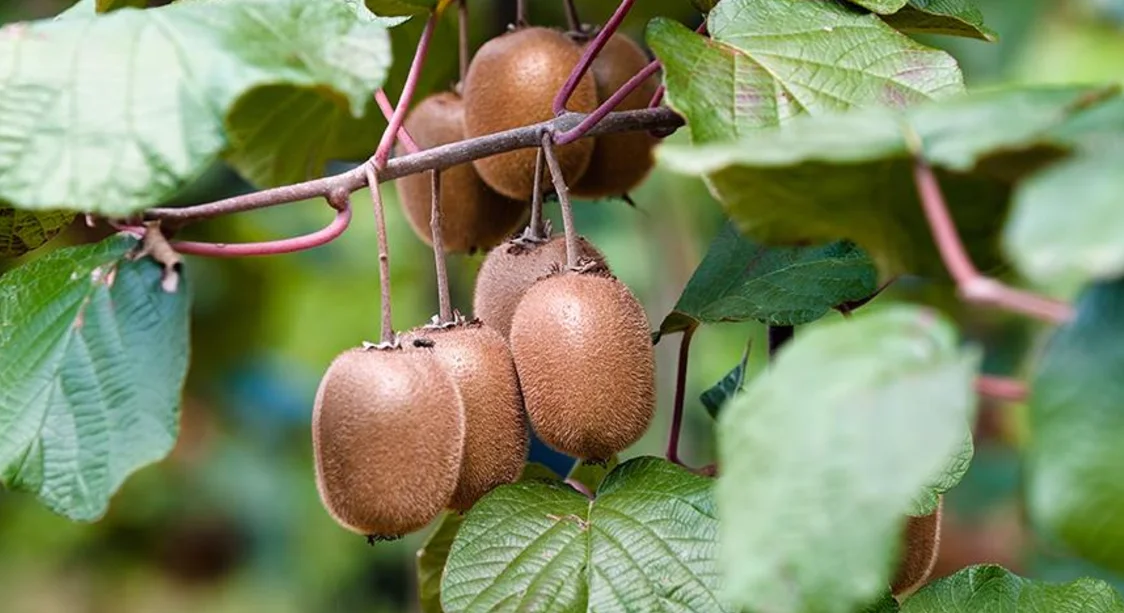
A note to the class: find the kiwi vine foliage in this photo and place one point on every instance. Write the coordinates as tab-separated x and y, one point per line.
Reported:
867	416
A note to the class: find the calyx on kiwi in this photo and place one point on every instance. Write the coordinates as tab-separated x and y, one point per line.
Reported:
602	402
621	161
474	216
921	541
388	433
497	437
511	83
513	267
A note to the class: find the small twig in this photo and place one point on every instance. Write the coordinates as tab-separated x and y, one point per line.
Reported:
680	396
657	98
388	111
779	336
563	193
1001	388
607	107
387	323
444	307
536	229
462	37
591	51
387	142
974	286
572	18
289	245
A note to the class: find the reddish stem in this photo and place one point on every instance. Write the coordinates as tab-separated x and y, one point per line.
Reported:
680	394
607	107
580	487
591	50
289	245
1001	388
657	98
563	193
388	111
975	287
383	151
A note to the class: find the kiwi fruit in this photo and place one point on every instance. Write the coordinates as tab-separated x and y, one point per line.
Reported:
388	431
510	269
921	541
496	433
621	161
585	360
473	215
511	83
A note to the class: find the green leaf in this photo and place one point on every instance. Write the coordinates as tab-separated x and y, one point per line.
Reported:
21	231
1074	454
849	176
997	590
95	355
105	6
882	7
395	8
730	386
431	560
592	474
886	604
824	453
88	131
740	280
949	477
950	17
647	543
769	60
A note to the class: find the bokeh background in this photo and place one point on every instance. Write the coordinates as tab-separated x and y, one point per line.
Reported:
230	522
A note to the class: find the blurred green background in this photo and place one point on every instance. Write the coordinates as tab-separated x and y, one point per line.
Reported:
231	521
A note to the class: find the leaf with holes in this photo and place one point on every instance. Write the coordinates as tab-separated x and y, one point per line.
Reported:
997	590
23	231
94	359
853	420
111	113
647	543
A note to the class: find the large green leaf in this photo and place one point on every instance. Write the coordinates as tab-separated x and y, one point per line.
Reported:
769	60
431	560
113	113
647	543
882	7
824	454
1074	456
22	231
94	358
849	176
740	280
949	477
991	589
951	17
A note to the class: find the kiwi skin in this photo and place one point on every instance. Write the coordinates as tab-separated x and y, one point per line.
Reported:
585	359
511	83
497	437
388	433
473	215
921	542
621	161
512	268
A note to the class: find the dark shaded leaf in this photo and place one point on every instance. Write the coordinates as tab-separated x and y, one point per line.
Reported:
997	590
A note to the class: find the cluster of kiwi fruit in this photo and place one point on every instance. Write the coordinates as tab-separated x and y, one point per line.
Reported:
442	414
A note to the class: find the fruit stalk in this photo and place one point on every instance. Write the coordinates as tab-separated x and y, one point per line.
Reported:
535	225
411	85
520	13
462	37
975	287
388	111
680	395
387	323
289	245
590	54
607	107
444	310
563	201
572	18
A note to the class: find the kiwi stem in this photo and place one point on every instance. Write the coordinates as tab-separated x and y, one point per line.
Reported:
1001	388
289	245
444	309
572	17
536	198
591	51
521	14
388	111
680	394
607	107
779	336
462	37
974	287
411	85
563	201
657	98
387	323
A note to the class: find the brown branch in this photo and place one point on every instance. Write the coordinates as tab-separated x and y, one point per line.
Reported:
437	158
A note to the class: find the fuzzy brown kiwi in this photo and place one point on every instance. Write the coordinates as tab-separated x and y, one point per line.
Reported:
497	437
921	541
584	354
511	83
512	268
621	161
388	434
473	215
